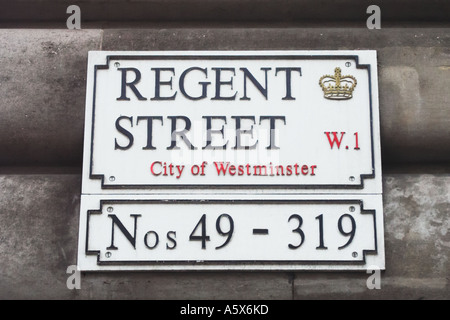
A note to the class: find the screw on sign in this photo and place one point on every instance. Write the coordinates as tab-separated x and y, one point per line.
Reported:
291	138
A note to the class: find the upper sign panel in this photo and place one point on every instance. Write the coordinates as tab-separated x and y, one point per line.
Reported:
291	121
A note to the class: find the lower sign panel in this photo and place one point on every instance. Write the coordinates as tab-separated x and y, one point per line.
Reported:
146	234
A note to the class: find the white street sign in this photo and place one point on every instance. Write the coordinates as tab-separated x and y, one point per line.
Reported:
237	160
277	234
297	121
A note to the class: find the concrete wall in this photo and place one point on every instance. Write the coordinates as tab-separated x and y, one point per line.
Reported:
42	94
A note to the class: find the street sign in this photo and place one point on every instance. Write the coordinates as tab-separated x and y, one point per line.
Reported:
237	160
303	234
228	121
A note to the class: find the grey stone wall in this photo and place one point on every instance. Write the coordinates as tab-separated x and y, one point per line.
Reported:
42	96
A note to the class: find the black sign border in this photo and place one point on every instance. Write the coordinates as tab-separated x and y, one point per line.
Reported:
257	263
355	58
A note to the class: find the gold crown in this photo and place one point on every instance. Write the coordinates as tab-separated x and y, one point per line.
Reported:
337	87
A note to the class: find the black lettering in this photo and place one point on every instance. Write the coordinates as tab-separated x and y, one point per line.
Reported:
125	232
146	240
272	129
172	240
180	133
149	145
203	84
240	131
131	85
159	83
210	131
288	80
125	132
258	86
220	83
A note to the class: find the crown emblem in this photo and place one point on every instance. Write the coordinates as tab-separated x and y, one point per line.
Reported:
337	87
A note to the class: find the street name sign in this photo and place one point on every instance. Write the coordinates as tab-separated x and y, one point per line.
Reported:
231	160
227	121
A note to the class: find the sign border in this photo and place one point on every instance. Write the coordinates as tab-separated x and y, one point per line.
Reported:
168	264
101	177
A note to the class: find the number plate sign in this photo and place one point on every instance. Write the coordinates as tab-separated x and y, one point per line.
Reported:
150	234
236	160
231	121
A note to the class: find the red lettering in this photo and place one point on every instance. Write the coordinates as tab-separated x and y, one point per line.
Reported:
335	139
196	171
151	168
305	170
356	141
289	170
222	169
204	163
